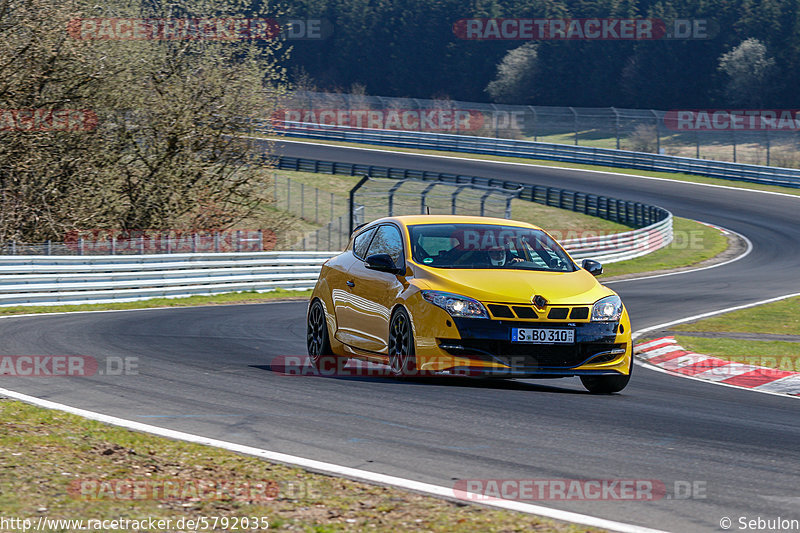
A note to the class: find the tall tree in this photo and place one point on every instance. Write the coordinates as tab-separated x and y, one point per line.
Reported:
749	70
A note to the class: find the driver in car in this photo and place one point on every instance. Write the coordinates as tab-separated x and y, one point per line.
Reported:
500	256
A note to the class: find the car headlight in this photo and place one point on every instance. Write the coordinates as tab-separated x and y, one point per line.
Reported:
608	309
456	305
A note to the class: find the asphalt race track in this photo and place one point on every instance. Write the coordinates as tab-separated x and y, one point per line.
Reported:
206	370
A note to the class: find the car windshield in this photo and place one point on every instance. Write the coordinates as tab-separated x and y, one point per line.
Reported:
487	246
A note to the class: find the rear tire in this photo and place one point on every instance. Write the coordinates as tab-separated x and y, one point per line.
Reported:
606	384
402	358
317	339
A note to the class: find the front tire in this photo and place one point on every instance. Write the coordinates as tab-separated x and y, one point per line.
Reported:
402	358
317	339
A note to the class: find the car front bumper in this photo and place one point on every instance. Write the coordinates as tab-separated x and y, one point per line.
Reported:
485	349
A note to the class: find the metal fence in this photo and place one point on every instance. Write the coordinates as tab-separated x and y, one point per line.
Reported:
785	177
635	214
377	198
640	130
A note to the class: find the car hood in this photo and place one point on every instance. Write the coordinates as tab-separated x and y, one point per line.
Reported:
516	286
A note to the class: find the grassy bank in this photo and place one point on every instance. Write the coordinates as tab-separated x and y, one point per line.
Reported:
60	466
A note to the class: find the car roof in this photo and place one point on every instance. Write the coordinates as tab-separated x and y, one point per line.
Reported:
411	220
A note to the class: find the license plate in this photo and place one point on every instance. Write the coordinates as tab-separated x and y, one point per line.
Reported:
543	336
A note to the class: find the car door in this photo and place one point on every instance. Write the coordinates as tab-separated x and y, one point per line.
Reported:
342	290
374	293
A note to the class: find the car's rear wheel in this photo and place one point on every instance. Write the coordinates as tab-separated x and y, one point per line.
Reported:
402	359
606	384
317	340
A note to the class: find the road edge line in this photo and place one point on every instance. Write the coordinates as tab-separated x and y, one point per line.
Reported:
334	469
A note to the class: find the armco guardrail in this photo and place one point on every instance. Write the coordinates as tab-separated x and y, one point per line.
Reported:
554	152
622	246
59	280
51	280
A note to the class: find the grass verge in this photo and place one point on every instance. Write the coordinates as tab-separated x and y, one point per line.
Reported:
693	243
541	162
777	318
188	301
770	354
60	466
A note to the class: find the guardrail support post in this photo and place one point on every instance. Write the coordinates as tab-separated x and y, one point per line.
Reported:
616	126
80	245
453	206
483	202
49	247
658	132
535	118
391	196
424	198
351	209
766	132
575	124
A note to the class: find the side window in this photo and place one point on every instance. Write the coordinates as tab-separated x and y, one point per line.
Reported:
388	241
361	242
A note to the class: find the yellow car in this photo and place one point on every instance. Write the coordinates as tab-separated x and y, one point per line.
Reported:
475	296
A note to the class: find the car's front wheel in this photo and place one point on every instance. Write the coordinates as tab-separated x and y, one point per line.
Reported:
606	384
317	340
402	359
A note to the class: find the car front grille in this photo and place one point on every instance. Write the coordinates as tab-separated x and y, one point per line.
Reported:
528	312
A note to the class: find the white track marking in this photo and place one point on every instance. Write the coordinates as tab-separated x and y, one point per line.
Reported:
639	176
334	469
642	331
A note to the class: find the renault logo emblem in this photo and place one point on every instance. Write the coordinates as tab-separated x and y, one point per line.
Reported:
539	301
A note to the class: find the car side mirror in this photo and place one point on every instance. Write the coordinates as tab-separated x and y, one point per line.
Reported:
592	267
382	263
